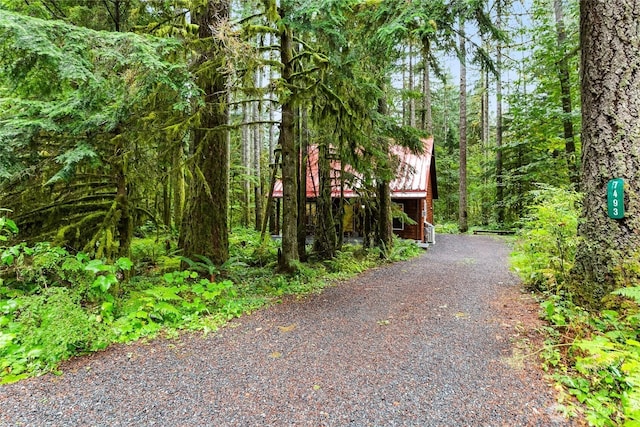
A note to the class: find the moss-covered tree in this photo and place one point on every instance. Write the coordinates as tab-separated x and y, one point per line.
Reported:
204	228
73	102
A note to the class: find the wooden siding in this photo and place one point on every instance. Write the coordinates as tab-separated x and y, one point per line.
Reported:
414	209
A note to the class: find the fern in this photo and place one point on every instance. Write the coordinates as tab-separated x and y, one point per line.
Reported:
162	293
71	159
631	293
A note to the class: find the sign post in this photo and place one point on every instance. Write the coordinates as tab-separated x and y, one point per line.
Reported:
615	198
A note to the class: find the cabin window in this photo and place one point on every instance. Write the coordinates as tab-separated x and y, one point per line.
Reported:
398	220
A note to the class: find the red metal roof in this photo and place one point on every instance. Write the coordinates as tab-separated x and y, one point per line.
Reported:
411	179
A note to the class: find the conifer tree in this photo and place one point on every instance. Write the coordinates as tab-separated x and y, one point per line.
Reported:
609	249
204	228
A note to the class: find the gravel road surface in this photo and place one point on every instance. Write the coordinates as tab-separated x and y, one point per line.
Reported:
429	342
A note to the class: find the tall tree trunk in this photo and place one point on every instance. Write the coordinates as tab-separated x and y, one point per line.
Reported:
384	228
565	93
609	249
166	201
125	220
462	204
289	153
499	161
303	157
324	243
405	83
204	228
485	138
412	99
445	119
270	207
271	212
178	182
246	166
427	118
257	153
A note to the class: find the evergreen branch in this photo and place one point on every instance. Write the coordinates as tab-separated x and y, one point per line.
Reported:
304	73
248	18
249	101
268	48
171	18
251	30
254	122
70	203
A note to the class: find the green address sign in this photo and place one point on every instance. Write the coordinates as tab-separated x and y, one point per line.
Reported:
615	198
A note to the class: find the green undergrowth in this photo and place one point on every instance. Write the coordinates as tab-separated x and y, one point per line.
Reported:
596	358
447	228
593	356
55	304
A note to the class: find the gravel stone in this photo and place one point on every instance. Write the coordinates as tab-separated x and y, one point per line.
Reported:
433	341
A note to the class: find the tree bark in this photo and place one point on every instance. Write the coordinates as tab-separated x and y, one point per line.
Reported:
565	94
303	157
427	117
246	166
257	154
289	153
609	249
124	218
166	202
405	103
412	100
270	207
204	227
257	173
270	211
462	203
499	161
384	225
178	182
485	139
325	243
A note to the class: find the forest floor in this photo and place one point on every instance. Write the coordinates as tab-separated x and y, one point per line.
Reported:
442	340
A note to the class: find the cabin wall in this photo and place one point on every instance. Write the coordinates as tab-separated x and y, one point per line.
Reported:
429	204
414	208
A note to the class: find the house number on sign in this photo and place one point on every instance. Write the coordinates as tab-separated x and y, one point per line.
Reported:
615	198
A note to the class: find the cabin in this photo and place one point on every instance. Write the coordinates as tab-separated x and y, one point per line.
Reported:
412	191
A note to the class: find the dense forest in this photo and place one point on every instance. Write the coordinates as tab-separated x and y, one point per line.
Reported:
124	113
139	137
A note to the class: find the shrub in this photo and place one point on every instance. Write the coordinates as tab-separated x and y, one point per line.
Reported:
545	250
38	331
597	358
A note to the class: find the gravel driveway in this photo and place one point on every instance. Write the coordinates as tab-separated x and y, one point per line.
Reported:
428	342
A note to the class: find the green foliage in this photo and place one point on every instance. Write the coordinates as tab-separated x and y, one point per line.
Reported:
632	293
534	149
7	227
447	228
205	265
546	246
32	269
349	261
404	249
38	331
77	108
597	358
180	300
99	78
54	304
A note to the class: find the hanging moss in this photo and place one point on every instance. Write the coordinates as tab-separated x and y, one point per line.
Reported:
71	124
